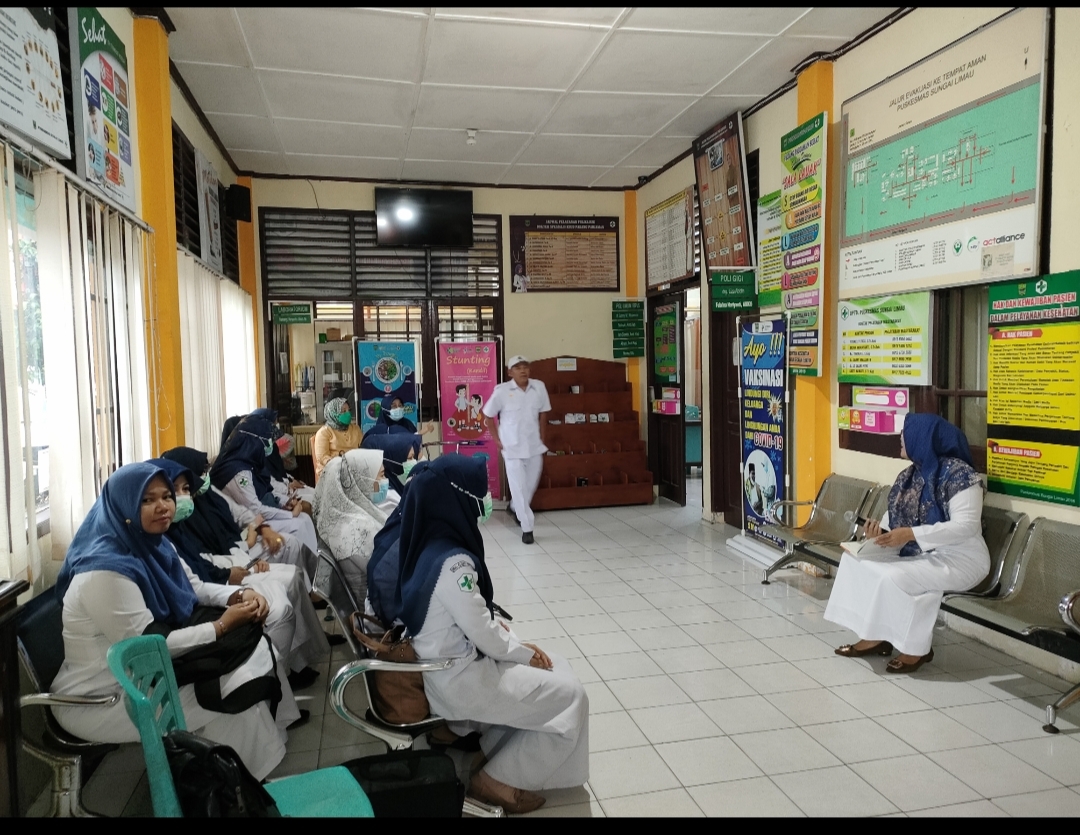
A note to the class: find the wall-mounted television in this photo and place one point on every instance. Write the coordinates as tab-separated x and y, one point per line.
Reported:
420	217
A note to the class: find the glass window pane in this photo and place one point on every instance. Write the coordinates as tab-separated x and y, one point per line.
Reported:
974	310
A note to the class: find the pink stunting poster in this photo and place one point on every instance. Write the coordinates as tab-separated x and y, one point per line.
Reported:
468	374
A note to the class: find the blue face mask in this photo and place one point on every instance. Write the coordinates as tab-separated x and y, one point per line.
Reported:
397	413
379	496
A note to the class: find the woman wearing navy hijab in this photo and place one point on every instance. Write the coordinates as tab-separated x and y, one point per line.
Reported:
530	708
929	542
120	576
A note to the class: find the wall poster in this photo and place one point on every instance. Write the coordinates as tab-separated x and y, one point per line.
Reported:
209	211
943	165
802	240
550	253
885	339
666	328
1033	389
387	368
31	90
770	271
468	374
763	381
726	216
101	112
669	239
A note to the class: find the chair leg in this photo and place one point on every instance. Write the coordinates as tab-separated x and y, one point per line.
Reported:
1051	710
66	792
475	809
787	559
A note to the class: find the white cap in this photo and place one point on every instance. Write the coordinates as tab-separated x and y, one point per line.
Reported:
517	359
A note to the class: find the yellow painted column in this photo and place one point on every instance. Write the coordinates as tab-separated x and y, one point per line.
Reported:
154	120
814	413
633	289
245	244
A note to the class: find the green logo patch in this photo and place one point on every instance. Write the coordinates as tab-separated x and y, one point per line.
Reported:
467	583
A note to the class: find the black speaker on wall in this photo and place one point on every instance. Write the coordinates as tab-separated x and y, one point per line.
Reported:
238	203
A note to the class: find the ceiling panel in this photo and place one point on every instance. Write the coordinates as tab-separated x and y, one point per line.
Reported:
658	62
452	171
252	133
706	113
331	98
260	162
507	55
659	151
592	16
615	113
303	136
485	108
771	68
623	176
553	175
368	168
220	89
336	41
760	20
209	35
430	144
574	149
840	23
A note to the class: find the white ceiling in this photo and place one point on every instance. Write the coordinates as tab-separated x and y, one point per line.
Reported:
575	97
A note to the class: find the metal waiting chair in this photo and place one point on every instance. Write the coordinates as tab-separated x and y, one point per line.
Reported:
40	638
144	669
1068	610
834	518
1005	532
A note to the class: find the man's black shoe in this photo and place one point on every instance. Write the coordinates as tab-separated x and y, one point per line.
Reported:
527	538
305	715
304	678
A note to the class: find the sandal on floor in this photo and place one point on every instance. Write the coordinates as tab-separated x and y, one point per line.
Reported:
513	801
849	651
898	666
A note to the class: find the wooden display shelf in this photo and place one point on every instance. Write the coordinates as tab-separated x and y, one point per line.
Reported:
610	459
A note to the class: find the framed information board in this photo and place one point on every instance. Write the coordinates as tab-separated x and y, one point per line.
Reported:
549	253
669	239
725	211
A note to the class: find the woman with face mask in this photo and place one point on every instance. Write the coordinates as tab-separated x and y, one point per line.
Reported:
336	437
347	512
392	419
122	578
529	706
240	473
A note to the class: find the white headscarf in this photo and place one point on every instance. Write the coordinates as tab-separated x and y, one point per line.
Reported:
345	516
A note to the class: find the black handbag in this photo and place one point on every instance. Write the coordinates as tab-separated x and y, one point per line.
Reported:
212	782
410	784
205	665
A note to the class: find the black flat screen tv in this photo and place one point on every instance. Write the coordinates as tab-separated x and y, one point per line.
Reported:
419	217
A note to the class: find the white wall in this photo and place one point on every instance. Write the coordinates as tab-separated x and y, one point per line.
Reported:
192	128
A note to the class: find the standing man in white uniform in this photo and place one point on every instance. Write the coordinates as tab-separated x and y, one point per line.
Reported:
521	406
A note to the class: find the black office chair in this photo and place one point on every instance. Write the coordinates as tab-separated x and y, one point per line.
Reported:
40	634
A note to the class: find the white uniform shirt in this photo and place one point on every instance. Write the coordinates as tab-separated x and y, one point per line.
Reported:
518	412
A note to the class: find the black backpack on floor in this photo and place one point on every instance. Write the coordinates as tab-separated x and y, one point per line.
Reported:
410	784
212	782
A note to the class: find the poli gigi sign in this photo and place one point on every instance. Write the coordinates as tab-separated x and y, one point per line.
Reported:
763	374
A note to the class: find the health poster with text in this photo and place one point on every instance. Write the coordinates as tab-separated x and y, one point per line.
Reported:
802	240
468	374
1033	389
386	368
764	380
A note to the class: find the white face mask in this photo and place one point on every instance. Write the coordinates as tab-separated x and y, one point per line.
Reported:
397	413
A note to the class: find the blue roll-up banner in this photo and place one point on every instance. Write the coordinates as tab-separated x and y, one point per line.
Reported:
763	394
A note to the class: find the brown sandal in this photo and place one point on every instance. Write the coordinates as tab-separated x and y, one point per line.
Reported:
880	648
898	666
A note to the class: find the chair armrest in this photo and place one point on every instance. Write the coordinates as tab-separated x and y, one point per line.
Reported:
780	504
59	700
1065	608
992	592
353	669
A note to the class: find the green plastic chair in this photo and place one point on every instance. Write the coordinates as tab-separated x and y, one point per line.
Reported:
144	669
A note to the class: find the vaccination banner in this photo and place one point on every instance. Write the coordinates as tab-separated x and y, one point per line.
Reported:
770	270
468	374
764	380
31	91
387	368
802	240
726	215
1033	389
885	339
101	113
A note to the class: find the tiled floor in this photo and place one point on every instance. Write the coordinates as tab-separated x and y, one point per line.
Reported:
711	694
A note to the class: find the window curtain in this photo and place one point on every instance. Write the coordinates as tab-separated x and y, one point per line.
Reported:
238	343
204	363
92	264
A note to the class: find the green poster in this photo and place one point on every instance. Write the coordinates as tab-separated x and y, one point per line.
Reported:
885	339
666	343
770	257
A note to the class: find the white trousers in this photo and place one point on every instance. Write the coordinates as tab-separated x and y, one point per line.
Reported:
523	474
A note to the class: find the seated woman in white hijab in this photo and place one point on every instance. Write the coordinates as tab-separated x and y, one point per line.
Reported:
240	473
530	708
890	594
346	514
122	578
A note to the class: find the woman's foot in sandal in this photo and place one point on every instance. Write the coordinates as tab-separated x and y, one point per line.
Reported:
908	663
858	650
487	789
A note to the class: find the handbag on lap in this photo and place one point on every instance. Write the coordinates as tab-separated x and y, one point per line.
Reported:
399	697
